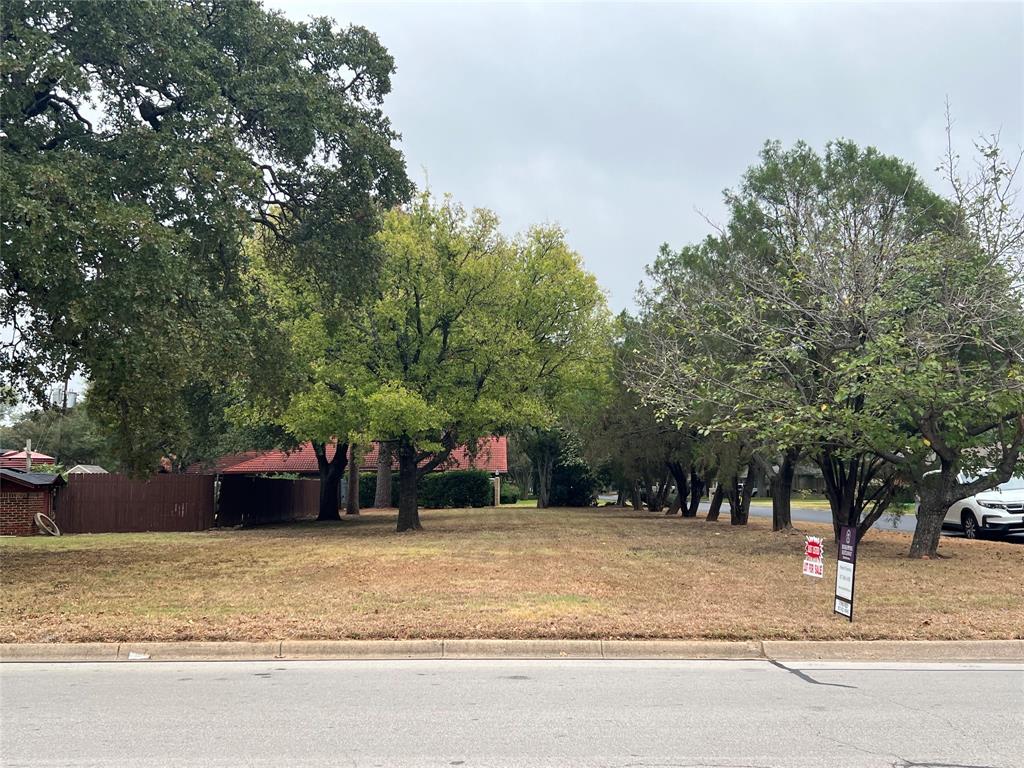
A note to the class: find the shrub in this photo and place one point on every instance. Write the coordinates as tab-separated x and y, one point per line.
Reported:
437	489
509	493
368	489
470	488
572	485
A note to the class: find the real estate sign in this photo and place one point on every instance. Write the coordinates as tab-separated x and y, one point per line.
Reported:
814	557
846	563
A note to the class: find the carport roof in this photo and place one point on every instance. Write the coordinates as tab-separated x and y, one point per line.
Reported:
29	480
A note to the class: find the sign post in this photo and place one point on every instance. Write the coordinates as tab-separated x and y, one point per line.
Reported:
814	557
846	564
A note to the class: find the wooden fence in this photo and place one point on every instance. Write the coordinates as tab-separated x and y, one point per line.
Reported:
119	504
259	500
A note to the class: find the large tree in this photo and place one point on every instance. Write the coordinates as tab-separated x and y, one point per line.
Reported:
946	372
469	333
141	141
791	291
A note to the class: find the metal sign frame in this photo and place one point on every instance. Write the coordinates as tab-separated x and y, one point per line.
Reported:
846	566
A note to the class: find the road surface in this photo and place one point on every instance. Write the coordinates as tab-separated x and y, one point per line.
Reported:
621	714
904	523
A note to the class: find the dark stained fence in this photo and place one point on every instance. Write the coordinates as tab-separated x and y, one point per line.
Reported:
119	504
260	500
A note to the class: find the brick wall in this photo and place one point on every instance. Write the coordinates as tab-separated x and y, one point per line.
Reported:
18	510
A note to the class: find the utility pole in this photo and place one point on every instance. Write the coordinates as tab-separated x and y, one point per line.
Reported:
28	455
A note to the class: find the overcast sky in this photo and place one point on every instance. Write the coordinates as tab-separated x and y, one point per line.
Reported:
622	122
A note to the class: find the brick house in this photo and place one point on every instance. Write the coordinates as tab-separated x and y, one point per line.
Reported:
22	496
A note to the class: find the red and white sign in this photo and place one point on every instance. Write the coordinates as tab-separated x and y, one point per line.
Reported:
814	557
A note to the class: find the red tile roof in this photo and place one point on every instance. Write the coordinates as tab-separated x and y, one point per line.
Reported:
16	459
491	456
222	463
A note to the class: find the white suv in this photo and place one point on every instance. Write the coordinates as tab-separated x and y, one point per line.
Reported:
999	510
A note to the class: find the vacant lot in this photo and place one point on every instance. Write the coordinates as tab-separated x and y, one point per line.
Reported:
496	573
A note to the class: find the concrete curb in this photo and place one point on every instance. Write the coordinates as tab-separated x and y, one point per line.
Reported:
522	649
284	650
895	650
361	649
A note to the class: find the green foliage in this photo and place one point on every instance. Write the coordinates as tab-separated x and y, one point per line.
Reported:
368	488
470	488
748	334
463	488
573	484
472	332
510	493
630	440
141	141
71	437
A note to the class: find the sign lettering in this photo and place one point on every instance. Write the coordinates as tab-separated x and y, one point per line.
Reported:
814	557
846	567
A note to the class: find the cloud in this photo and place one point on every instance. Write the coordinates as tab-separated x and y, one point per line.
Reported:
618	121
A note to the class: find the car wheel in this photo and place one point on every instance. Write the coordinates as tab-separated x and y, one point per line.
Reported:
970	524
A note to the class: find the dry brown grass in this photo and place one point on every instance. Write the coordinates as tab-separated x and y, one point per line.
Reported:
496	573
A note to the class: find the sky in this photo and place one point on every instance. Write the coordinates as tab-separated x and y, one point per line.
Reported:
623	123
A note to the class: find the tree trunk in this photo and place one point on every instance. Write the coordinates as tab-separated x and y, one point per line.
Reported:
857	491
716	503
929	528
382	495
545	468
675	506
408	485
661	496
352	500
782	493
936	498
740	515
330	478
638	503
739	502
681	490
840	477
697	489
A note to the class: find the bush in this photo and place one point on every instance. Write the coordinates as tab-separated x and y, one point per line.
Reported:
572	485
470	488
437	489
368	489
509	493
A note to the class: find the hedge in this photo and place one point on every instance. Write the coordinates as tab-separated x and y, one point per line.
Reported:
509	493
368	489
470	488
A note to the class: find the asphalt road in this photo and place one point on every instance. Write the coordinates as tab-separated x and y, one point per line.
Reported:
904	523
512	713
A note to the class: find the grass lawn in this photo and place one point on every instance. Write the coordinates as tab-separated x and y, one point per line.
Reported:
526	503
504	572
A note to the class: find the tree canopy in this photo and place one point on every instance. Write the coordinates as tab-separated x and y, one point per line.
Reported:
141	142
849	312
